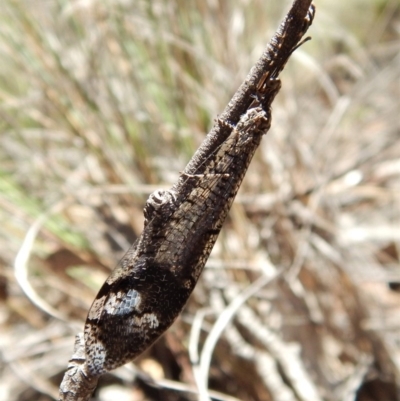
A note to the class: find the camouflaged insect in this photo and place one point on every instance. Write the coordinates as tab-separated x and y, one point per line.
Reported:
146	293
149	288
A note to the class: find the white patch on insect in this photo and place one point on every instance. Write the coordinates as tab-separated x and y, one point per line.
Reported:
98	356
158	200
160	197
149	319
122	303
97	308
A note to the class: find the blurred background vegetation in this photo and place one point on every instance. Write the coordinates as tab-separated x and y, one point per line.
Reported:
101	102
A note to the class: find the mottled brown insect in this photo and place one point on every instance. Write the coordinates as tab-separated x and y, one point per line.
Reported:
147	291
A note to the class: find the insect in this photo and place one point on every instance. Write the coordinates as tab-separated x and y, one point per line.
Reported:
146	292
152	284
